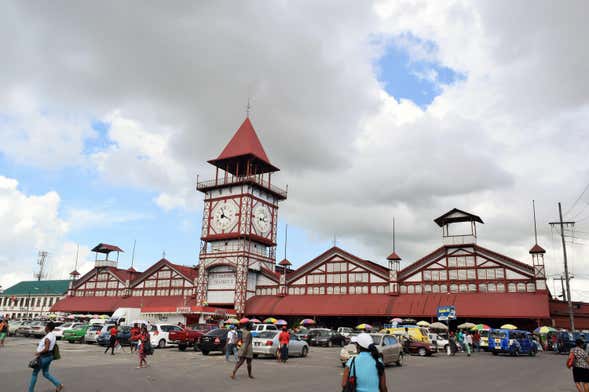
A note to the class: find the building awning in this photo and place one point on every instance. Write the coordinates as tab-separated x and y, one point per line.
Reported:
468	305
161	305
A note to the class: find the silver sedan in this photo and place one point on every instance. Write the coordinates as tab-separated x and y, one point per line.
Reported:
266	344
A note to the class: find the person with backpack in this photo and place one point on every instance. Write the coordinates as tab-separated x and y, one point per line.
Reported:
44	354
364	372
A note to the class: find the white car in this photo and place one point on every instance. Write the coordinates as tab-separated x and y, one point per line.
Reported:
266	343
58	331
13	326
158	334
345	331
92	333
259	328
438	342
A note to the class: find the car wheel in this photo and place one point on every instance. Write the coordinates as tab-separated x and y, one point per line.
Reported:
256	356
83	340
161	343
342	343
495	353
182	347
205	352
532	353
70	341
400	360
195	346
305	352
422	352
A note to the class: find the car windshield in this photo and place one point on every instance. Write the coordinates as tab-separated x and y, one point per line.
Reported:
95	328
376	338
324	333
498	335
267	334
217	332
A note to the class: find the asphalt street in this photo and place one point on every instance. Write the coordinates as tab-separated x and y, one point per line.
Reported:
86	368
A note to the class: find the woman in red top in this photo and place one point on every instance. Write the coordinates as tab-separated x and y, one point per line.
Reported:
134	336
143	338
283	340
113	340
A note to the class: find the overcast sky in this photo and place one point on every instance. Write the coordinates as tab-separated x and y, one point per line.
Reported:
108	111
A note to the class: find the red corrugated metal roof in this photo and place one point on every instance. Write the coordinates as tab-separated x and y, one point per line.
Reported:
475	305
110	304
106	248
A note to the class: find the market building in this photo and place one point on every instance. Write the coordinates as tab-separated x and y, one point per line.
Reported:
237	271
30	299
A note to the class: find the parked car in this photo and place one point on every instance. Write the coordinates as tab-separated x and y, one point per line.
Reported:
438	342
214	340
38	330
513	342
326	337
391	351
259	328
159	334
303	333
103	337
58	331
415	332
565	341
186	337
25	328
345	331
266	344
92	333
76	335
13	326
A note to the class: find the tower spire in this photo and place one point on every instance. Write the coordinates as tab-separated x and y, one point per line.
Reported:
535	228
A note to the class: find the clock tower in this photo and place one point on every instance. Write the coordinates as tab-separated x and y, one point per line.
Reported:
239	222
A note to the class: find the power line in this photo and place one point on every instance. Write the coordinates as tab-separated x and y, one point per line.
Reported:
576	201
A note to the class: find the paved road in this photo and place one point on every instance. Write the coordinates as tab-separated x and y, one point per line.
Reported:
86	368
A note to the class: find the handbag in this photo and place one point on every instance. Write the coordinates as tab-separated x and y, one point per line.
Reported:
351	381
56	353
571	360
34	363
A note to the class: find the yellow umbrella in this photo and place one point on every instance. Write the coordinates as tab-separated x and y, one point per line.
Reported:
364	326
270	320
423	323
508	326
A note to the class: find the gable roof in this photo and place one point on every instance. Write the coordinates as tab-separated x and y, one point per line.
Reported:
335	251
38	287
244	143
188	273
456	215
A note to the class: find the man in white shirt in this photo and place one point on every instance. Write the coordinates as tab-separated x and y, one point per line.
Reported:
45	354
231	345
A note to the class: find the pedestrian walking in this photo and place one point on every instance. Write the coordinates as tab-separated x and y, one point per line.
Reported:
113	340
366	369
231	345
579	361
283	340
143	346
135	332
3	330
246	351
476	341
44	354
453	345
468	342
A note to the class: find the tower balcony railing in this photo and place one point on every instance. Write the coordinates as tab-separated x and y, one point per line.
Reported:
106	263
460	239
206	185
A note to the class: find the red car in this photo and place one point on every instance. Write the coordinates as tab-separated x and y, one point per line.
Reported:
418	348
186	337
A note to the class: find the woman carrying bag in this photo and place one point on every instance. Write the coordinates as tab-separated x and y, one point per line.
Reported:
365	372
578	360
44	357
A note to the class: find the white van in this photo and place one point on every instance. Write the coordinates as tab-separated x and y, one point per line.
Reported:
125	316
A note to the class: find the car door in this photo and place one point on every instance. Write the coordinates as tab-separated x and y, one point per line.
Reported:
388	349
295	347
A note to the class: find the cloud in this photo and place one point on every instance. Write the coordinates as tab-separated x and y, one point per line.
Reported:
31	223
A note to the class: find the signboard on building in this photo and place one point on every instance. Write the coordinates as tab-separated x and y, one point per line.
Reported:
446	313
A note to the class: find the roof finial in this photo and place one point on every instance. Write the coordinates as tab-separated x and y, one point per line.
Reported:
394	250
535	229
77	253
164	254
133	255
285	239
248	107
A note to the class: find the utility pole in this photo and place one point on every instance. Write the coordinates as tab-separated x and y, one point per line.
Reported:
564	294
566	267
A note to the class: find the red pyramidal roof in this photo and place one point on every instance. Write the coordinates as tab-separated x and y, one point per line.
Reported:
537	249
393	256
244	144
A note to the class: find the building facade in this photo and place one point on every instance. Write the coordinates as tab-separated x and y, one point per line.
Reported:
237	272
30	299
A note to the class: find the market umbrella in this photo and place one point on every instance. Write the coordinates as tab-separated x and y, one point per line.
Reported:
423	323
438	326
280	322
364	326
232	321
103	316
544	329
481	327
508	326
244	320
308	322
466	326
409	321
71	317
255	321
270	320
396	320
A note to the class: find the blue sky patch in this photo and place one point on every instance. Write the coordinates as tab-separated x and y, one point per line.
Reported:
417	80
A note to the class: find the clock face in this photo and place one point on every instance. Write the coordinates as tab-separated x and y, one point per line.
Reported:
262	219
224	216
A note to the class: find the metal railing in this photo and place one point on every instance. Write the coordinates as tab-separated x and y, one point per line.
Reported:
106	263
460	239
235	180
